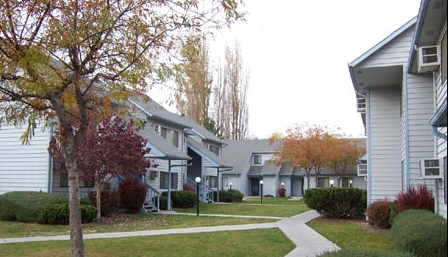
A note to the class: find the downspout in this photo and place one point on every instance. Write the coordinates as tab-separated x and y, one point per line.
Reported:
406	128
368	146
168	202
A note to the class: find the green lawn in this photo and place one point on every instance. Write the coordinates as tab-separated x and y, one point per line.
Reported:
259	242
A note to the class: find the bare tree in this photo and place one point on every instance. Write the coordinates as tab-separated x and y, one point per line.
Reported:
231	110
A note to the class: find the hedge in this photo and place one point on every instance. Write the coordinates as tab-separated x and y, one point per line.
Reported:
420	232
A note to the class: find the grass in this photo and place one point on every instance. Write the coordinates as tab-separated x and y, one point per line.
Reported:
346	234
354	234
272	207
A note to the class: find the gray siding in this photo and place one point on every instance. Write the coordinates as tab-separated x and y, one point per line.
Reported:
395	52
420	109
23	167
385	147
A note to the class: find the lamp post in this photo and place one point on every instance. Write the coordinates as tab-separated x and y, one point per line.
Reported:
351	183
230	185
331	183
283	185
198	180
261	190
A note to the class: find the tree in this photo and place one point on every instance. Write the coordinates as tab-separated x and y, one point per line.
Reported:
230	91
341	153
108	149
194	81
61	58
305	147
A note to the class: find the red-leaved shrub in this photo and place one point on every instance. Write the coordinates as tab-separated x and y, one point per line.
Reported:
417	199
188	187
132	194
379	213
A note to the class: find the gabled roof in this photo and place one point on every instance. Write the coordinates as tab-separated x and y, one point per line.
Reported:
160	148
238	153
383	42
156	111
213	159
270	168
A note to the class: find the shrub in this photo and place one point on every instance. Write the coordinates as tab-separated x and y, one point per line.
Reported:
418	199
281	192
379	213
365	253
109	201
420	232
25	206
164	201
59	214
337	202
231	195
132	194
183	199
188	187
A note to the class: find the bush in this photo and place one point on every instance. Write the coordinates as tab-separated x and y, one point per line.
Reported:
365	253
227	196
26	206
132	194
183	199
379	213
337	202
60	214
188	187
281	192
418	199
420	232
109	201
164	201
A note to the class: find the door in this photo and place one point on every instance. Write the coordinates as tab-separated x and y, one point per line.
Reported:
254	188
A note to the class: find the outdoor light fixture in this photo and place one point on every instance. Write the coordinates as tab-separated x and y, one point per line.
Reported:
261	190
331	183
230	184
198	181
351	183
283	185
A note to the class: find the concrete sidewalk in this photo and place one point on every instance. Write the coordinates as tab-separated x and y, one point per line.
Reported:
308	242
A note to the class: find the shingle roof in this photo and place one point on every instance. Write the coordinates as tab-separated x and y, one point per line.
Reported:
213	159
156	111
237	153
160	148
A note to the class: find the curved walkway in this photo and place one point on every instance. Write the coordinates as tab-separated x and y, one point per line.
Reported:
308	242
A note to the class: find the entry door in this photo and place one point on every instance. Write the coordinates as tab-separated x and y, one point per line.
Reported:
255	184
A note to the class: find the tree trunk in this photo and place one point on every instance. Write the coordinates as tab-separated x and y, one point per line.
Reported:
76	238
98	198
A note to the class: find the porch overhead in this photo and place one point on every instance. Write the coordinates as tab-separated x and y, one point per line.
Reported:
160	148
214	160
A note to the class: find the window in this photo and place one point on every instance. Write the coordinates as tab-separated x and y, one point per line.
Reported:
225	181
170	135
212	182
214	149
323	182
257	159
63	181
347	182
164	180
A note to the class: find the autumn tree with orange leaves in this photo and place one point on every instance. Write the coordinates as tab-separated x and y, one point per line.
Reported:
342	153
60	59
313	148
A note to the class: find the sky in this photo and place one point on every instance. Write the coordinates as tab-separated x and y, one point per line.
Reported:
297	54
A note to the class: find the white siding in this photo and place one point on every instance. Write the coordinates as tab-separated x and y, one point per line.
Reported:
386	179
23	167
